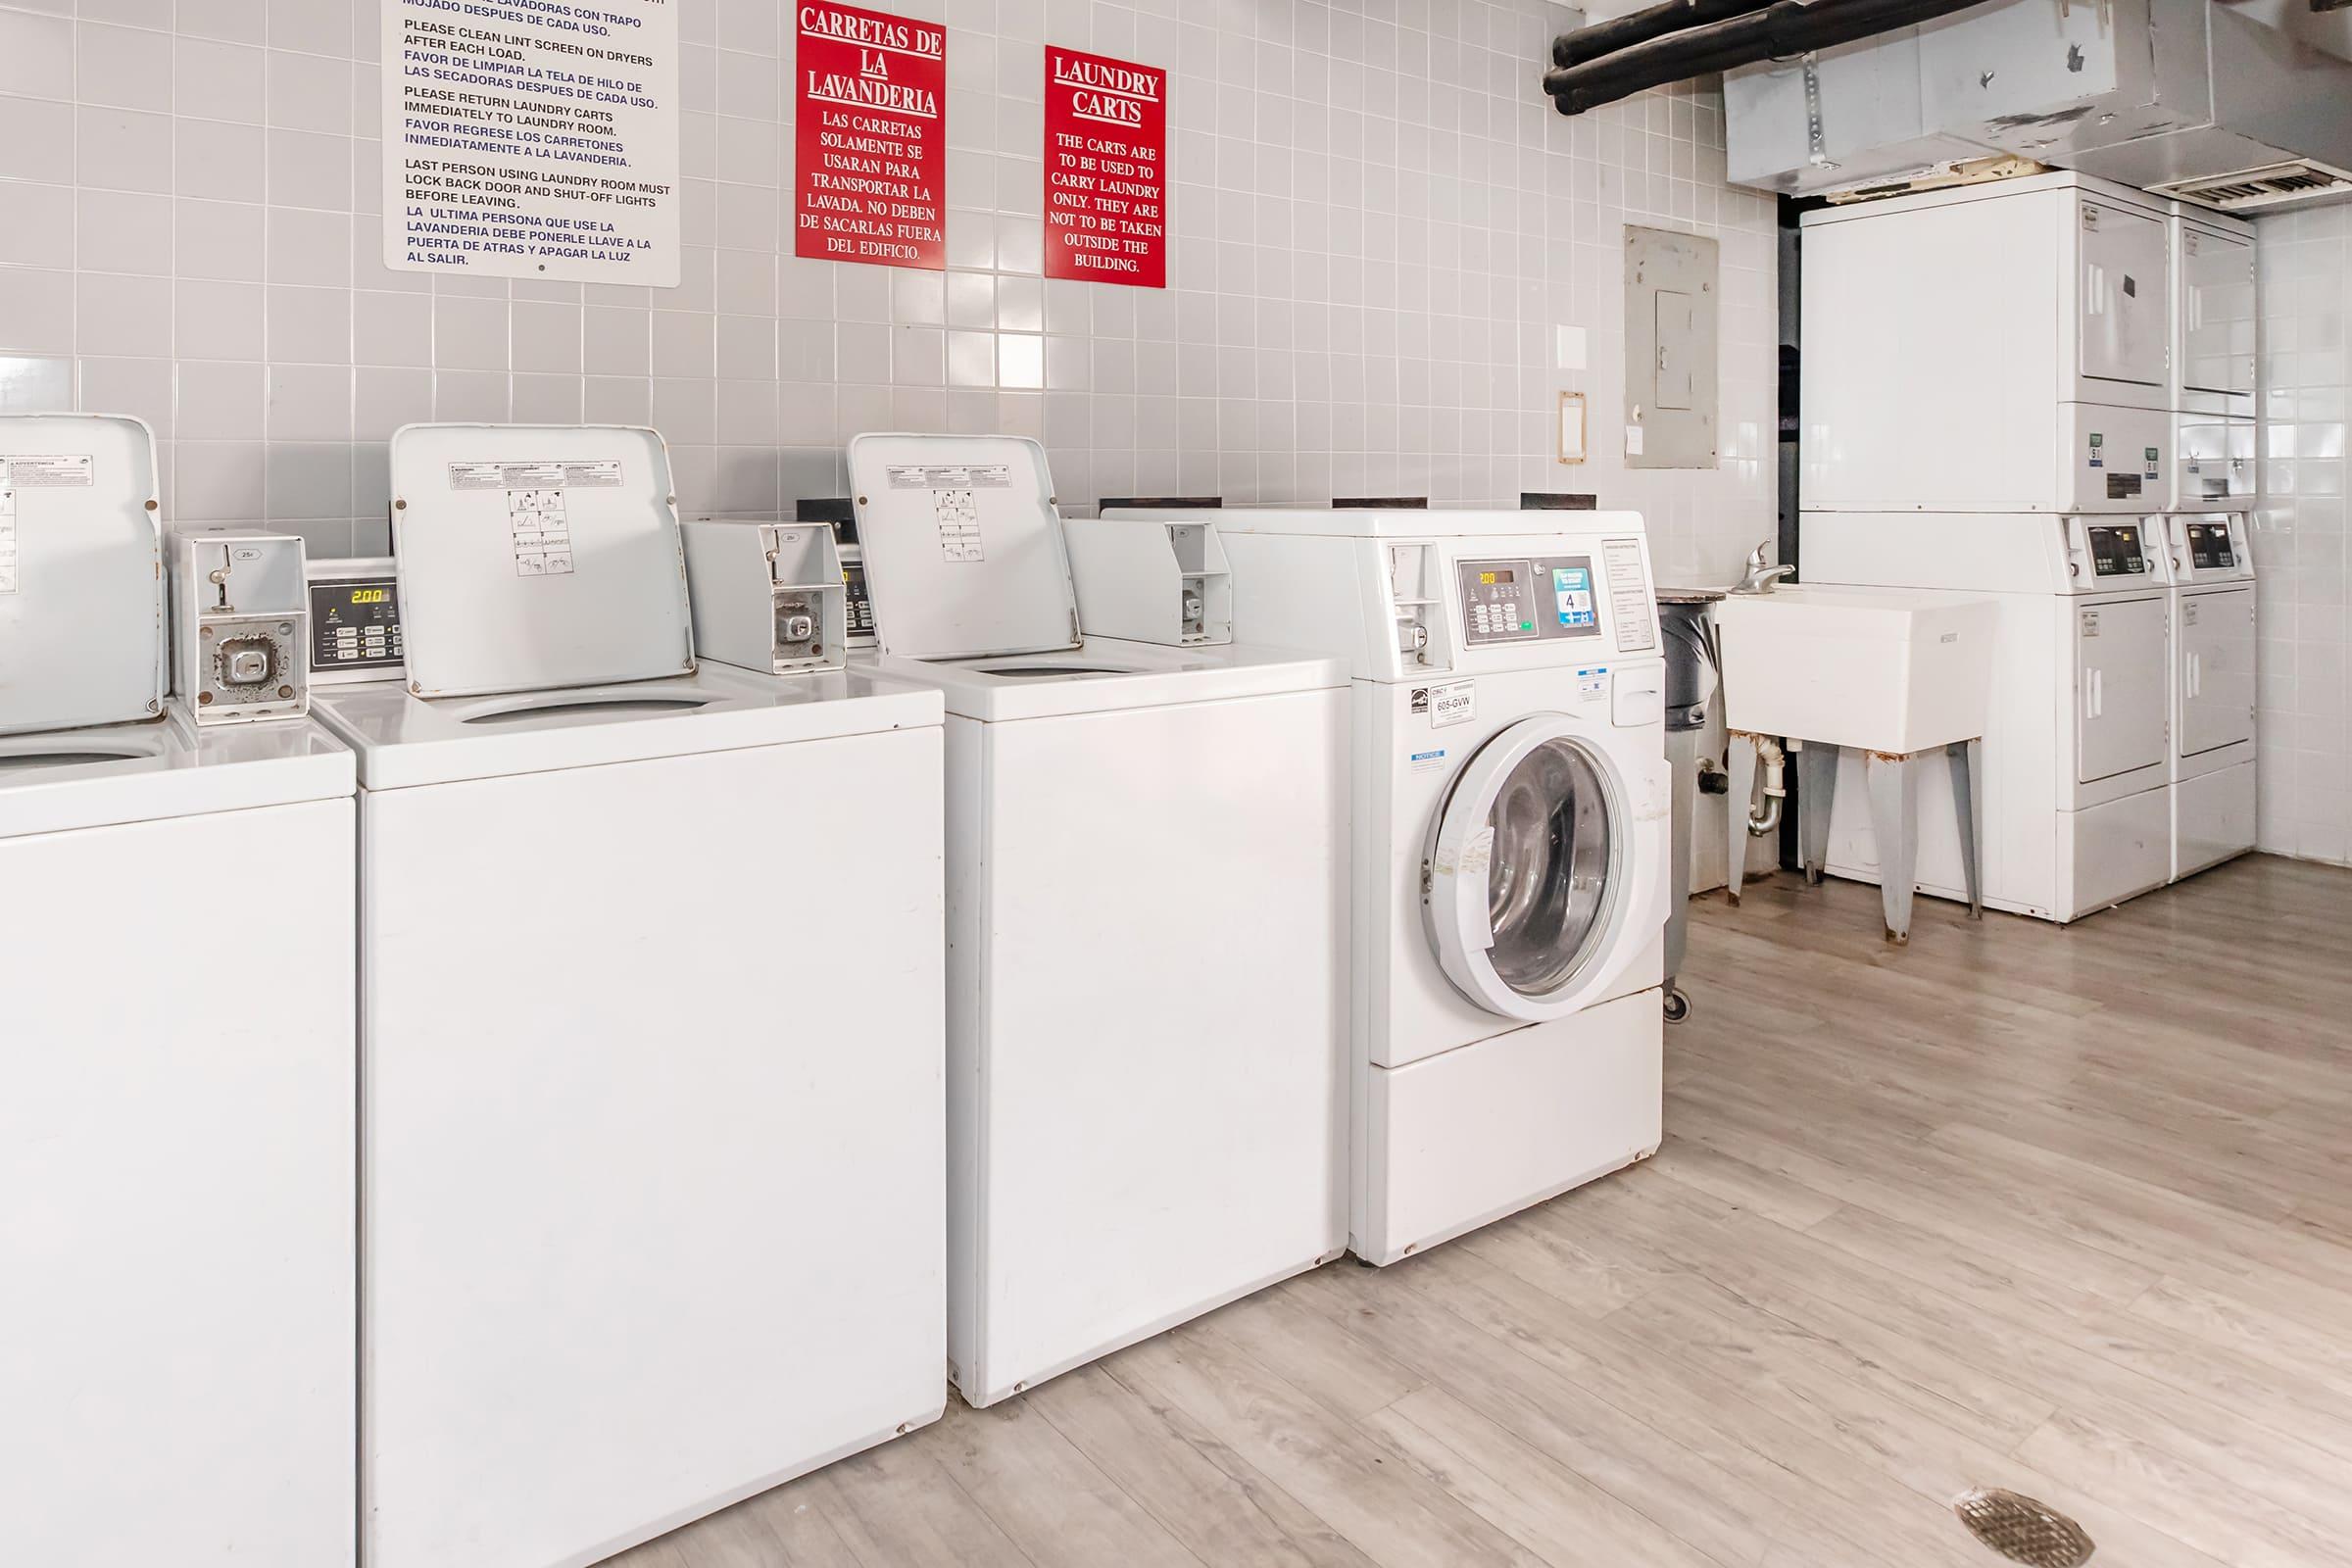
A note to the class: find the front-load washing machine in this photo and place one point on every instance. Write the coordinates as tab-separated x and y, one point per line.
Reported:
2078	805
651	1014
1511	841
2213	690
177	1231
1146	929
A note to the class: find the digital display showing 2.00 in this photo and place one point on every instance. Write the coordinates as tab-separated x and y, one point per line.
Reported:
356	625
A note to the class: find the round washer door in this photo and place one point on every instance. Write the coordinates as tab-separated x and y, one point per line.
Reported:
1542	877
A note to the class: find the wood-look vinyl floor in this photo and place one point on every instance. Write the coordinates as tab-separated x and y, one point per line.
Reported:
2068	1212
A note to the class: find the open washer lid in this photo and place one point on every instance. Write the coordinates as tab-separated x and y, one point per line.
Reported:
964	549
81	573
537	557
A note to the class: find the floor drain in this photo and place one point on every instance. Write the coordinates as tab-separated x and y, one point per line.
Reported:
2022	1530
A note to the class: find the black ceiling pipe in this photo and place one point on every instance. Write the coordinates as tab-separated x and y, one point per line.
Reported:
1640	27
1782	28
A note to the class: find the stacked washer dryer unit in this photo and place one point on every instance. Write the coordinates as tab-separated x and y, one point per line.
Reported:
1986	409
651	1028
1512	844
2206	539
1146	929
176	1077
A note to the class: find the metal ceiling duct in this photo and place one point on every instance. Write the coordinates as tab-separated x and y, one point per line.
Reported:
2205	101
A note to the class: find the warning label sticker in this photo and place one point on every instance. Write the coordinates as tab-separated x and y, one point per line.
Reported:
8	534
44	472
542	532
534	476
950	476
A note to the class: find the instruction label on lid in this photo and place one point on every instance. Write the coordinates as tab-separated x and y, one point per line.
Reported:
540	527
46	473
958	515
534	476
950	476
1629	595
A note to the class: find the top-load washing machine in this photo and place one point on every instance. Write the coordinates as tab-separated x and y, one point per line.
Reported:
1511	847
2078	793
1146	929
176	1233
650	1020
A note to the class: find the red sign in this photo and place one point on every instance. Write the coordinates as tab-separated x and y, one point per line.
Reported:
1106	159
872	90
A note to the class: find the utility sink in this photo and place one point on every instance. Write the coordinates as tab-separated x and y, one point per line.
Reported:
1882	669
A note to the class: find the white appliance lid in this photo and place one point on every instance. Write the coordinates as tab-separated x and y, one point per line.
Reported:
82	580
964	549
537	557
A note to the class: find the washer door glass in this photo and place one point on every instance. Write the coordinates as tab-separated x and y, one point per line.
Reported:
1547	878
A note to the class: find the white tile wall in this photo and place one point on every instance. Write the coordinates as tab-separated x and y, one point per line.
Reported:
2306	761
1389	255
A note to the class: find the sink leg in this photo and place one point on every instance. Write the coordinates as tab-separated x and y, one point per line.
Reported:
1739	762
1967	760
1894	819
1816	794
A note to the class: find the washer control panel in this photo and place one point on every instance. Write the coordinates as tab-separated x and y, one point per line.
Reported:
354	627
2211	548
1519	601
2116	550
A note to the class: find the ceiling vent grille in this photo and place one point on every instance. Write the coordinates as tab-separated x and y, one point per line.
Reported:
2271	185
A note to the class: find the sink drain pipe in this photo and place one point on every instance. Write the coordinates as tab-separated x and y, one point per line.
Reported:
1766	819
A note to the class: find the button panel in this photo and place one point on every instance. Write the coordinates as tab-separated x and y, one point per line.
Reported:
1521	601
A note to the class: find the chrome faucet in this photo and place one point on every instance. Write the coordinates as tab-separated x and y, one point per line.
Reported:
1762	578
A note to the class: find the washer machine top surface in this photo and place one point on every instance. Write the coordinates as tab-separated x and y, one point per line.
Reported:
402	740
1102	673
1391	522
117	773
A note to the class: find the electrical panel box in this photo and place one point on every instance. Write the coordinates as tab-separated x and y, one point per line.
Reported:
240	626
1151	581
768	595
355	620
1673	303
81	579
1991	348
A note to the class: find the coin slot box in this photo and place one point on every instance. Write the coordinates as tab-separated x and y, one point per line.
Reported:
768	595
1152	581
240	619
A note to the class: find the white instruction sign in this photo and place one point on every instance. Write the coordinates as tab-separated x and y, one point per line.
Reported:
542	532
532	138
959	514
1628	596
